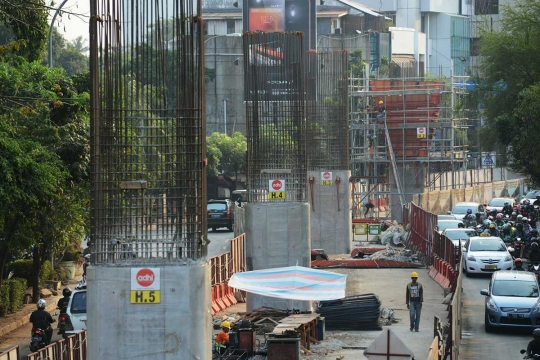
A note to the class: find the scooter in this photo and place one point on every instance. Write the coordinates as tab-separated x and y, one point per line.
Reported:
535	356
39	339
515	248
535	268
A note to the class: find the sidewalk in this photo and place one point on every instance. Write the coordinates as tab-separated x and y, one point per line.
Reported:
16	320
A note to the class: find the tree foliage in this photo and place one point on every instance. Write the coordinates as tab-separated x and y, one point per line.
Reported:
226	155
508	80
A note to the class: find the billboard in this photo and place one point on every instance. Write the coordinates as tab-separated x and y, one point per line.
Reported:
282	15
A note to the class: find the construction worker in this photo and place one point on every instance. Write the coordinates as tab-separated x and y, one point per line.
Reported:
414	299
222	340
381	109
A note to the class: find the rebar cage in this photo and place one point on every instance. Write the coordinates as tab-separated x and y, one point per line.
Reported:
148	200
275	116
327	110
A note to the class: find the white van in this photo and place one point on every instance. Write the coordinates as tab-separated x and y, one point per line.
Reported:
76	311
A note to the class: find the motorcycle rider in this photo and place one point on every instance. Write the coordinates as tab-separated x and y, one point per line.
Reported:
527	228
41	319
469	219
518	265
493	230
534	345
534	254
506	234
499	221
63	302
507	208
537	201
513	216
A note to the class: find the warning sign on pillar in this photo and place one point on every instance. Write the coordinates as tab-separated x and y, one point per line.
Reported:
276	189
145	286
421	133
326	178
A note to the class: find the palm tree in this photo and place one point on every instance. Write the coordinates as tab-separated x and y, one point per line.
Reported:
79	44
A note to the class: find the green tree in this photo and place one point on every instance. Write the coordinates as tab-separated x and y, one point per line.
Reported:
230	154
509	75
68	56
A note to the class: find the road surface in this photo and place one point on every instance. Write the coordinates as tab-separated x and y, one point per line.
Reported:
21	337
476	343
220	242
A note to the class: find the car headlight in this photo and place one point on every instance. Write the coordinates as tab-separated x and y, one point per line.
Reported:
508	258
536	309
491	305
471	258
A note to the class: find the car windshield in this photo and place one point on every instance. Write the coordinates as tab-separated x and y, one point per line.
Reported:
446	224
498	202
517	288
460	234
487	245
217	206
78	303
462	209
532	194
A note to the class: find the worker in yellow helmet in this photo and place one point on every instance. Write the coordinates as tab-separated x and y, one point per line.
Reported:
414	300
381	109
222	340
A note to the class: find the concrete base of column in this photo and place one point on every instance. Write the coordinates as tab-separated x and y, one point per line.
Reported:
179	327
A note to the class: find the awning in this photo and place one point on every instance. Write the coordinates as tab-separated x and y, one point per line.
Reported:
403	60
362	8
293	283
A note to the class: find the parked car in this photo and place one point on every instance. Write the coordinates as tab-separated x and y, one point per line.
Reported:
485	254
531	195
220	214
447	224
76	312
512	300
498	203
460	210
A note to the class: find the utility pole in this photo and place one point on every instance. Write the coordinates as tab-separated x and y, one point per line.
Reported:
50	31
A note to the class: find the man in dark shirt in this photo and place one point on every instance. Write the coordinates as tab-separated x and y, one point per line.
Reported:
41	319
534	345
414	298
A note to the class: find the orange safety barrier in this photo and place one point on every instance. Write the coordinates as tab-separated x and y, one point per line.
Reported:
73	347
222	268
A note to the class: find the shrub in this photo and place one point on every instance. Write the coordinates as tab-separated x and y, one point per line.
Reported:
46	272
22	269
4	298
17	289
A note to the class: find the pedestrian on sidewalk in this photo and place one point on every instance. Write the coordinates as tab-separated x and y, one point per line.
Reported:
414	300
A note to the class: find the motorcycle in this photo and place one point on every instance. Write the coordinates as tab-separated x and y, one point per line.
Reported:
534	356
39	339
515	248
535	268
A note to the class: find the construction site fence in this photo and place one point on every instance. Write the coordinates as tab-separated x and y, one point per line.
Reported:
455	318
421	223
13	353
222	268
71	348
441	201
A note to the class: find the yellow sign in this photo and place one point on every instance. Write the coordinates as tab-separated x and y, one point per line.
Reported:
276	195
327	182
145	296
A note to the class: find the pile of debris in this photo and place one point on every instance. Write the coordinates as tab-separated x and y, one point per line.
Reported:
397	254
395	234
263	319
359	312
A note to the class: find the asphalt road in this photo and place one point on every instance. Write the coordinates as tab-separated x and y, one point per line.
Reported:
476	343
21	337
220	241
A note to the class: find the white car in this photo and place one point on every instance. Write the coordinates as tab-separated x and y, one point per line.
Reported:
485	255
76	311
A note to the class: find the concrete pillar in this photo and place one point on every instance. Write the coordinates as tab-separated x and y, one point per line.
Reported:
177	328
408	14
330	213
278	235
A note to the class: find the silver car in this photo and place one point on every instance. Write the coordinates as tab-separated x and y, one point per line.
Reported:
512	300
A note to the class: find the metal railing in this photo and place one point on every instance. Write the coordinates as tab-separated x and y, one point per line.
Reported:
11	354
71	348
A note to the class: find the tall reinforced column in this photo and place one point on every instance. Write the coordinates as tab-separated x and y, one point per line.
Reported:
148	285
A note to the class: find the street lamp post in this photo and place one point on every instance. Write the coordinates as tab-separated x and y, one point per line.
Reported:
50	31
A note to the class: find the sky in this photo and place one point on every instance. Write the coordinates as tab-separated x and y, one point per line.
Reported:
74	26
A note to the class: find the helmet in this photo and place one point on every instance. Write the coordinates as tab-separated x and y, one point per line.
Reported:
514	213
506	203
414	274
534	231
537	197
534	246
536	332
381	102
518	260
226	325
499	216
520	217
66	292
492	226
87	257
469	211
524	219
527	201
506	227
41	304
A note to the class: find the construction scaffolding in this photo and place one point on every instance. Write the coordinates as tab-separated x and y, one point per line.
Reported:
402	135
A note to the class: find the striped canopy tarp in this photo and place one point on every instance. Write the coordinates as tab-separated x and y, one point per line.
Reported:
294	283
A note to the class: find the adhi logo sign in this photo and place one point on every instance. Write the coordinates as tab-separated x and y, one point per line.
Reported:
145	279
326	175
276	185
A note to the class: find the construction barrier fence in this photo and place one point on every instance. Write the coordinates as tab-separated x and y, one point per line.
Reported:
455	318
70	348
222	268
440	201
422	223
11	354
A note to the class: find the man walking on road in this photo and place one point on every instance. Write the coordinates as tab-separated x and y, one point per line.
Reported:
414	300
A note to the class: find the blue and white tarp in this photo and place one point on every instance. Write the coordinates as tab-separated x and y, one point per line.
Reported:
293	283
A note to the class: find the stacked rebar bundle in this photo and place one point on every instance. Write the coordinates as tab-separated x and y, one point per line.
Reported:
148	146
359	312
